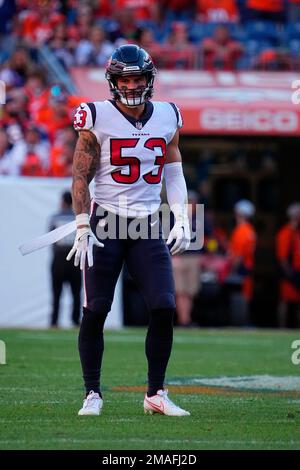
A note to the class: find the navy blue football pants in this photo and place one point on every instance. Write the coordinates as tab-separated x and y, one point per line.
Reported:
148	262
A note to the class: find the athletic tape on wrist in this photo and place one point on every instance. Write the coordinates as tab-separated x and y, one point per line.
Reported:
82	219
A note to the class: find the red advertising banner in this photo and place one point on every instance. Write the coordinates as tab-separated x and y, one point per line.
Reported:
246	103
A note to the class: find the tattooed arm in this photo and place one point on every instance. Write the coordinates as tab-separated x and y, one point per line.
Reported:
85	161
84	167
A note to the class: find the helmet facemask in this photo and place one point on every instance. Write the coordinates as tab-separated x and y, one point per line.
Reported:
132	97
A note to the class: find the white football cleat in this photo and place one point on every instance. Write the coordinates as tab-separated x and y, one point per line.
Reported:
92	405
160	403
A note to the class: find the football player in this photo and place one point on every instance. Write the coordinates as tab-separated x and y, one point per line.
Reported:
127	144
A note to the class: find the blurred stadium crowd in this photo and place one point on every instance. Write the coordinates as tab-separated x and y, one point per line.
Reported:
36	137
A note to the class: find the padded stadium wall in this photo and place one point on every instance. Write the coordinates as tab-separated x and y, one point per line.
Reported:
25	283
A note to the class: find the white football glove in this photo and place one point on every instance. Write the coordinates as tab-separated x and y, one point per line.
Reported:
182	236
84	242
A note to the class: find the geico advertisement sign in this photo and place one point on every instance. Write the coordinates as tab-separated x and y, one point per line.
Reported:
249	120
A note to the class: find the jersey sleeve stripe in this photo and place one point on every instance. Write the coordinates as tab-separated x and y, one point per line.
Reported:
178	115
175	111
93	111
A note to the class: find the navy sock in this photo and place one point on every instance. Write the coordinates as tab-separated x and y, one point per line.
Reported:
158	347
91	347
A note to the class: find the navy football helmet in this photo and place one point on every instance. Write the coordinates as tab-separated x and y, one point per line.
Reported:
130	59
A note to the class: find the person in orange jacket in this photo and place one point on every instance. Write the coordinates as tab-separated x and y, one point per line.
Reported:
241	251
288	256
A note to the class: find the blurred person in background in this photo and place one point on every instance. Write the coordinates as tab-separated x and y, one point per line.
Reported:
221	52
288	257
37	92
36	24
140	10
7	40
241	252
293	11
62	160
37	144
55	114
11	156
67	134
63	272
95	50
81	26
213	270
179	52
273	59
7	11
15	115
215	238
145	39
32	166
124	27
61	47
16	70
186	271
103	8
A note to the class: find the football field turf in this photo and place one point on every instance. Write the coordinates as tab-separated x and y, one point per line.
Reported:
241	388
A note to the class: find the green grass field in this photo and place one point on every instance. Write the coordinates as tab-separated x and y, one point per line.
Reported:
41	391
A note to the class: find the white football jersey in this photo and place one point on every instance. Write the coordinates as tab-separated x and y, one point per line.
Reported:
129	175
